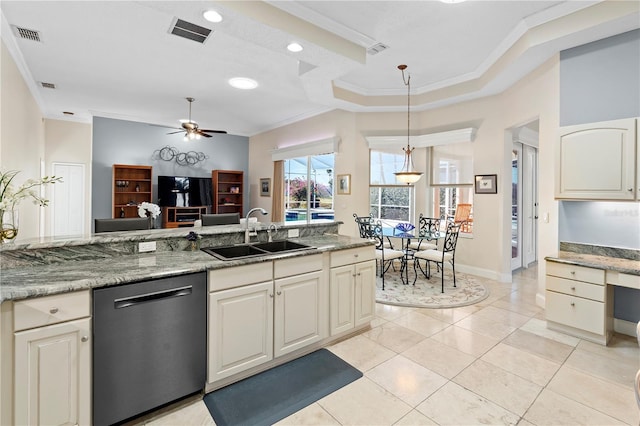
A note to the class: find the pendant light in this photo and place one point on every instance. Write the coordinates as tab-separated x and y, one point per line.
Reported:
408	175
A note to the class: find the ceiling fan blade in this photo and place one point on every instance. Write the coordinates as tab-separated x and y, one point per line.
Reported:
173	133
203	134
213	131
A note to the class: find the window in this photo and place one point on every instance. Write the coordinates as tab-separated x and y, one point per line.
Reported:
308	188
452	180
389	200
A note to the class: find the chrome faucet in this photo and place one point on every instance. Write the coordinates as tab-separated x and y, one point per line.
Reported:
272	228
247	235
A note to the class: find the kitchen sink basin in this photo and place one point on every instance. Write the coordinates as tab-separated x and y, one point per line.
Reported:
241	251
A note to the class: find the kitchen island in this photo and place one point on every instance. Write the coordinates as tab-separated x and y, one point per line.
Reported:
47	287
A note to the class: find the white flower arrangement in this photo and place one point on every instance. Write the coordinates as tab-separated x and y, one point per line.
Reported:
10	197
148	210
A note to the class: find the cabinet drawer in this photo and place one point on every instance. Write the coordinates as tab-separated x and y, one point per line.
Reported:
53	309
576	288
351	256
576	312
623	280
238	276
297	265
574	272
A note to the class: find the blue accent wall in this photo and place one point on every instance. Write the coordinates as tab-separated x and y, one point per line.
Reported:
600	81
128	142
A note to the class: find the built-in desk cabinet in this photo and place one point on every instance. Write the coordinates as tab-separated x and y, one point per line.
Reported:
598	161
52	360
352	289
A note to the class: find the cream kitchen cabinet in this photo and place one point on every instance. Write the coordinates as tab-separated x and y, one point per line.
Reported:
598	161
52	359
352	289
576	301
254	317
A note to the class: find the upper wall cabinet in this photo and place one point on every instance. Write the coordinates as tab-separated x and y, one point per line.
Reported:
598	161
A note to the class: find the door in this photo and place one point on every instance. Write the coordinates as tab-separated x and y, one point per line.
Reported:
342	296
240	329
297	320
53	374
68	200
365	292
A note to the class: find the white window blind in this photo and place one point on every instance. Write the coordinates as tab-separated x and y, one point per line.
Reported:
452	164
324	146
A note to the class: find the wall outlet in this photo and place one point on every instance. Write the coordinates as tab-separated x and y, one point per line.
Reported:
146	246
293	233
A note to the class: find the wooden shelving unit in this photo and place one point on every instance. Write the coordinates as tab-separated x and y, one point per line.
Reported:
131	186
228	189
179	217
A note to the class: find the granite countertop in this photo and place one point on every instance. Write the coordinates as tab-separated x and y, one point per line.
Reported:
613	259
47	279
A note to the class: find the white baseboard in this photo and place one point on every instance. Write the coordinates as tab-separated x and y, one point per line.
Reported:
484	273
540	300
624	327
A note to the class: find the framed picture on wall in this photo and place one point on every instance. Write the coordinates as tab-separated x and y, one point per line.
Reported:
265	187
486	184
344	184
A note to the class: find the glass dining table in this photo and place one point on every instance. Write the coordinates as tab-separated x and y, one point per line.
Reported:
406	237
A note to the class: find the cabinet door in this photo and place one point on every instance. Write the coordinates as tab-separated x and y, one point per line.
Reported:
342	296
365	292
53	374
298	312
597	161
240	329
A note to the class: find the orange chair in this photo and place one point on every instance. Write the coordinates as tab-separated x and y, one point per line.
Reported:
463	217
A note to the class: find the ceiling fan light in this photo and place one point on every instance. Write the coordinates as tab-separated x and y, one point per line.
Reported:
243	83
185	138
197	136
212	16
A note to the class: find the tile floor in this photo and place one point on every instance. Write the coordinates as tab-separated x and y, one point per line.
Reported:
491	363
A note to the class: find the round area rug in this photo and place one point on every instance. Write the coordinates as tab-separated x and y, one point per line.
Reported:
426	293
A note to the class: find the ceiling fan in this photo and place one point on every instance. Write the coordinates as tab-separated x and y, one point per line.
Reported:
191	129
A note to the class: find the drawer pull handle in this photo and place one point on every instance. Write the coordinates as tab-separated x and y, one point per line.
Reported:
84	339
573	304
353	275
573	272
573	288
270	294
53	310
355	255
279	293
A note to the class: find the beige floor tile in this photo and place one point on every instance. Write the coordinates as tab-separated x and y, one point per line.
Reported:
361	352
439	358
391	312
486	326
620	348
415	418
538	345
377	321
451	316
551	408
609	398
539	327
497	385
407	380
621	371
421	323
363	402
523	308
521	363
466	341
394	336
312	414
192	414
454	405
503	316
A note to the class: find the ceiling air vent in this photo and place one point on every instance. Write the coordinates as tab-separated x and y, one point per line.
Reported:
190	31
47	85
377	48
27	34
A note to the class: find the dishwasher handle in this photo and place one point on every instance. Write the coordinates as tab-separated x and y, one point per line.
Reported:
152	297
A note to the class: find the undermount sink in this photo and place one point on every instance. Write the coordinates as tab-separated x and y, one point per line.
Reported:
241	251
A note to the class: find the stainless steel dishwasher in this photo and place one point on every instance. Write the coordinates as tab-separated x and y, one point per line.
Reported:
149	345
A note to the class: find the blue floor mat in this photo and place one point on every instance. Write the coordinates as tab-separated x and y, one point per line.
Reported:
274	394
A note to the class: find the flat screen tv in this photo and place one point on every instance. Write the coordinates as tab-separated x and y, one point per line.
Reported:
184	191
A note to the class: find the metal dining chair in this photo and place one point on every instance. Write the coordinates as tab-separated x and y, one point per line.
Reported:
384	255
426	226
440	257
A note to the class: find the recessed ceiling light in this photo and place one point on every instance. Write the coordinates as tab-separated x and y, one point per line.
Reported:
212	16
294	47
243	83
452	1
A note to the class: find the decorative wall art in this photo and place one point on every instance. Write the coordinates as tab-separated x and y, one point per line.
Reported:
344	184
265	187
171	153
486	184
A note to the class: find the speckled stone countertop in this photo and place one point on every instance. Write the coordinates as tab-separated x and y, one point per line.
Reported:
61	277
599	257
